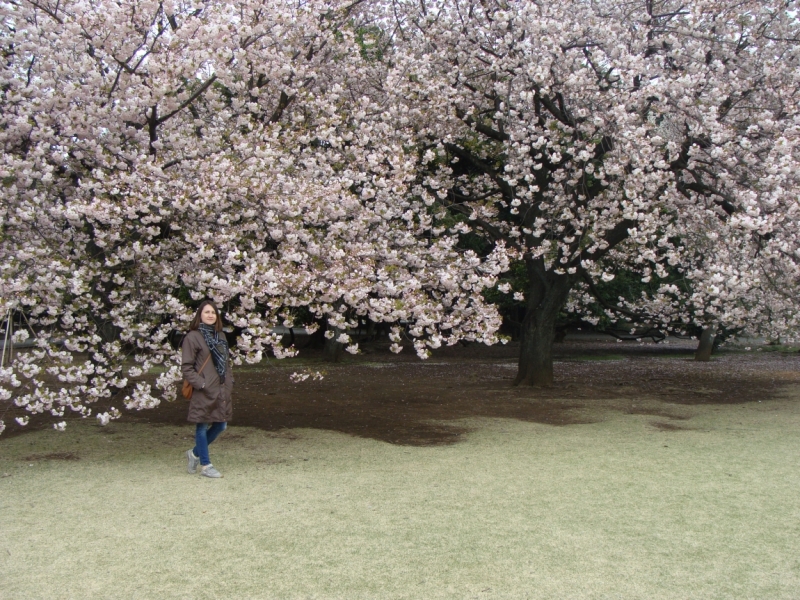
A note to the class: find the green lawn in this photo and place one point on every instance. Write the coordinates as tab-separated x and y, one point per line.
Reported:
616	509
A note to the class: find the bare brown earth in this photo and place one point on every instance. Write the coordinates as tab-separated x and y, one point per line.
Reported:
402	400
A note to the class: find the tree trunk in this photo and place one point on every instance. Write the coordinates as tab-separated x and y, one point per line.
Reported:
547	294
108	331
332	351
706	345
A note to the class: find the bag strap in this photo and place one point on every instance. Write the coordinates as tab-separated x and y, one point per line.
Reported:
205	362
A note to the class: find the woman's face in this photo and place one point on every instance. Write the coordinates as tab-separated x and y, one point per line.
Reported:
208	315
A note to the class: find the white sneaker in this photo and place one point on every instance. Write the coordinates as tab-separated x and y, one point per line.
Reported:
192	462
210	471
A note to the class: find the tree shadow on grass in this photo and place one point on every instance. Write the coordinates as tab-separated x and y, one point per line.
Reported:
425	403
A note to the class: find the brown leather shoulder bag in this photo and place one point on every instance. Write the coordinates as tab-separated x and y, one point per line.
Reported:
187	388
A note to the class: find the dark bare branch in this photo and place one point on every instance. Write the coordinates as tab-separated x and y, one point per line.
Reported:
199	92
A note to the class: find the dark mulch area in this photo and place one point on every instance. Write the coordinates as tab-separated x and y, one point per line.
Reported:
400	399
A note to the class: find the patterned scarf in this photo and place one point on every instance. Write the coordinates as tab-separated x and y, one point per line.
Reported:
219	348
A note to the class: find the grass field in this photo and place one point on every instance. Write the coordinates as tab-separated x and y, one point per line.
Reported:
614	509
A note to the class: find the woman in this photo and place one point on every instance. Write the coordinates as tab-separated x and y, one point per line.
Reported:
210	406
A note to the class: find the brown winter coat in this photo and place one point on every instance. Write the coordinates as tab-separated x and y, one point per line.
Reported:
210	402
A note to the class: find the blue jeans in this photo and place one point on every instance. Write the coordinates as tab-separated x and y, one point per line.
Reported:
204	434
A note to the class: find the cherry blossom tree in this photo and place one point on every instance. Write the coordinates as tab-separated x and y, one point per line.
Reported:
323	157
155	153
730	285
588	136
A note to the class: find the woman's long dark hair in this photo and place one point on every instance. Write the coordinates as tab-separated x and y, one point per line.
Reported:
197	319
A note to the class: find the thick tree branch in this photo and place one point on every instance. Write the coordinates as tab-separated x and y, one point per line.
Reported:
559	112
491	230
613	237
199	92
499	136
283	103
